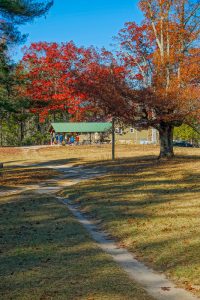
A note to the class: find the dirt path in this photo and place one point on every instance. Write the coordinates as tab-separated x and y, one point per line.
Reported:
69	175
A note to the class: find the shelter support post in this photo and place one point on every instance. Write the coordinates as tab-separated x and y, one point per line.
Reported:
90	138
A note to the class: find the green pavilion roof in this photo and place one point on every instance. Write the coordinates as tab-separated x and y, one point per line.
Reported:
81	127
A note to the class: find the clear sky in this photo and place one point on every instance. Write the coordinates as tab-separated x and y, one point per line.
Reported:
86	22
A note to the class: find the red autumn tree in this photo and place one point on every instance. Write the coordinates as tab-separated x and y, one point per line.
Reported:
154	82
48	72
102	80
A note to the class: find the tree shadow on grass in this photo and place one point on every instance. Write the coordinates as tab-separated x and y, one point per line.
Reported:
12	177
109	191
45	163
46	253
151	207
141	162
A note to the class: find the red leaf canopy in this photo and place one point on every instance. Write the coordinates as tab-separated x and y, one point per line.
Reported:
48	69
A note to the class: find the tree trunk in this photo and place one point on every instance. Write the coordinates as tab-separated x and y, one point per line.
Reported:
1	134
21	131
1	127
38	123
64	115
54	116
166	140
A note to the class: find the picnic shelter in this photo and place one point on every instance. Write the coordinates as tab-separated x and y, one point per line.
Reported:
88	130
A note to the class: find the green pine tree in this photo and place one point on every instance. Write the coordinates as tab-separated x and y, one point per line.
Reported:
17	12
14	13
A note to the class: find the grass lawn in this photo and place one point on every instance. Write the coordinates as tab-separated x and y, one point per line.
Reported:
153	209
72	154
150	207
46	254
21	176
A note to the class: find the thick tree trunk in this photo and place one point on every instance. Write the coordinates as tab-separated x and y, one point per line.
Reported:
166	140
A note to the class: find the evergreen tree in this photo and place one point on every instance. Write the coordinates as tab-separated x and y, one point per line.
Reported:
12	14
17	12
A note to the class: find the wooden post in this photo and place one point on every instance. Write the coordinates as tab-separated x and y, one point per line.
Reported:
113	139
90	138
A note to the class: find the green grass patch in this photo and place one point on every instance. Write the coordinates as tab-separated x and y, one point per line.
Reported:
47	254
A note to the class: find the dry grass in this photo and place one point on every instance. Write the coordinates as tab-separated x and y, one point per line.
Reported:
82	154
20	176
153	209
150	207
72	154
46	254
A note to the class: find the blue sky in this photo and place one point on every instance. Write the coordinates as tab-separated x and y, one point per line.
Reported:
86	22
